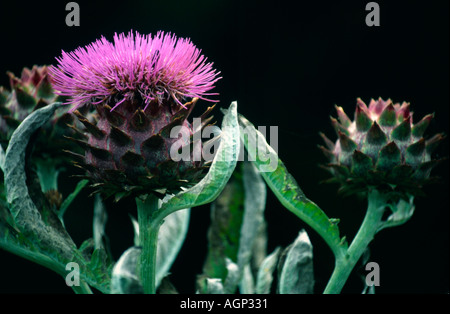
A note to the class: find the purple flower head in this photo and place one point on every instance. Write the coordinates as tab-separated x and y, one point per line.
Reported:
148	68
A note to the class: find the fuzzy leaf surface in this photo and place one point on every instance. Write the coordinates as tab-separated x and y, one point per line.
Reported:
219	173
286	189
297	275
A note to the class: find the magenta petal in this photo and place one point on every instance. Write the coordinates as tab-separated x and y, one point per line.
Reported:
134	65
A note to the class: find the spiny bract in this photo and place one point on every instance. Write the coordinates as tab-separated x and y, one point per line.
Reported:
127	151
27	93
381	148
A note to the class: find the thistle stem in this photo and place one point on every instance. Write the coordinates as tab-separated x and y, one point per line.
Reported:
83	288
369	227
148	238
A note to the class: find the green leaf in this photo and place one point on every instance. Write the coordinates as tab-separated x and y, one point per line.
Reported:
135	224
401	213
210	286
99	223
125	279
100	267
233	276
14	242
297	275
69	199
247	284
368	289
237	226
286	189
224	230
220	171
265	273
47	171
2	157
26	216
255	203
365	258
166	287
170	240
38	238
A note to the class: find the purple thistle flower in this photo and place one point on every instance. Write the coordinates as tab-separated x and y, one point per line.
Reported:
141	87
134	67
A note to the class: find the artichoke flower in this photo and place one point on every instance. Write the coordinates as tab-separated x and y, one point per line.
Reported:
141	87
381	148
27	93
31	91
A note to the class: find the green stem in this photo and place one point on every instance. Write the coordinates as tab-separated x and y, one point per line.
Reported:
345	263
148	239
45	261
83	288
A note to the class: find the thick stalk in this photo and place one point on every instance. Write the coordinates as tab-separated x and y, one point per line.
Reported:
45	261
83	288
148	239
345	263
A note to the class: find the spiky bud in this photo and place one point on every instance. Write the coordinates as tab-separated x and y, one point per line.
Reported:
141	87
381	148
27	93
31	91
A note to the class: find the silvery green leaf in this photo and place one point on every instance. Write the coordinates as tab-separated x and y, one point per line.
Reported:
286	189
364	260
14	165
5	215
265	273
47	172
170	239
135	224
219	173
255	202
2	157
247	284
166	287
237	225
297	275
233	276
368	289
99	222
259	251
41	237
225	227
401	213
213	286
253	219
26	216
125	279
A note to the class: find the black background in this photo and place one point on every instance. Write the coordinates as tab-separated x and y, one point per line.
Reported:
287	64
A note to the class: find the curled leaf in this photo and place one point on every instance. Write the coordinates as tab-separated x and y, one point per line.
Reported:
219	173
125	279
297	275
286	189
265	273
